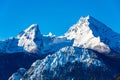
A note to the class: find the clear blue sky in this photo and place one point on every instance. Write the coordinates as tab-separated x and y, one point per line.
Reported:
54	16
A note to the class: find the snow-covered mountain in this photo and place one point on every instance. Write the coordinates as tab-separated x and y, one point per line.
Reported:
9	46
92	34
29	40
70	63
32	41
87	47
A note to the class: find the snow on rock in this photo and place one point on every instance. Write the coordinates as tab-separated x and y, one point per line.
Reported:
63	56
92	34
31	39
10	46
50	34
18	74
53	43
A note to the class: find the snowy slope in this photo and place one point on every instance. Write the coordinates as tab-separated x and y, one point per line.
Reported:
53	43
61	63
10	46
92	34
18	74
31	39
68	54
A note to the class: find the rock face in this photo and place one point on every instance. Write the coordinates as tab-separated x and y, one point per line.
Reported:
89	50
31	39
92	34
18	74
72	63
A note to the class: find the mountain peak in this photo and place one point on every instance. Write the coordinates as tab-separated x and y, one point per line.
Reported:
86	34
34	27
30	39
32	30
91	33
84	18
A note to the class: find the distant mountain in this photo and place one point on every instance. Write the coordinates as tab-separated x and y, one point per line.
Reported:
89	50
